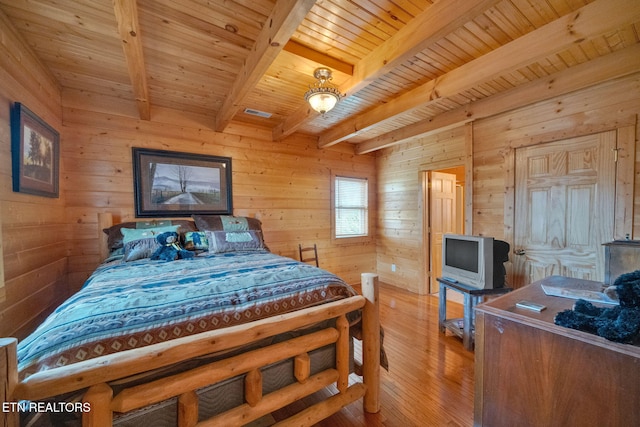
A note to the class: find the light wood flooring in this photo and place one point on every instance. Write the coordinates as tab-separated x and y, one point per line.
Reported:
431	376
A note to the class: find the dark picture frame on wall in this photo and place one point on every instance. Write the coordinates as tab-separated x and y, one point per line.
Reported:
174	184
35	153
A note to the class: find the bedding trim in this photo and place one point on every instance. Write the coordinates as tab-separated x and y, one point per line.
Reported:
130	362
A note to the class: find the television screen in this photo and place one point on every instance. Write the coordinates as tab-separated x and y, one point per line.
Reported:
462	254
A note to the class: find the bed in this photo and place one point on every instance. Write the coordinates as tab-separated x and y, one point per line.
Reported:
145	337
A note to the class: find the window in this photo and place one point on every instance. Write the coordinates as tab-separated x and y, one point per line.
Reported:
351	207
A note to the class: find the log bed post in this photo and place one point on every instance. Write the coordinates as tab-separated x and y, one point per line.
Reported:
9	416
98	397
371	342
105	220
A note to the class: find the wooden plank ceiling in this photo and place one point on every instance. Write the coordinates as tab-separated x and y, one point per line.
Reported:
407	67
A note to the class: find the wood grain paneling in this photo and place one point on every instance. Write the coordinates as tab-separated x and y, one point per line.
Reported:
401	239
611	105
284	184
556	119
33	253
400	63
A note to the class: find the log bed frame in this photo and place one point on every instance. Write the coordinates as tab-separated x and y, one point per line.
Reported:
95	374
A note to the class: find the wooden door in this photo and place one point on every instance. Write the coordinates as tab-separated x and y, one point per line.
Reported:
442	214
565	193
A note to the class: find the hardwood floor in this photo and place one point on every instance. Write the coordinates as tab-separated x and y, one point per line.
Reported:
431	376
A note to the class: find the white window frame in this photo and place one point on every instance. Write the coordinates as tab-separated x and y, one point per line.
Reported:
366	237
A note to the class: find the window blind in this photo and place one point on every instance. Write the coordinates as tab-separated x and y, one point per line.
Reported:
351	207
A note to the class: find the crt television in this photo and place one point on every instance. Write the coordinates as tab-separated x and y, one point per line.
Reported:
475	261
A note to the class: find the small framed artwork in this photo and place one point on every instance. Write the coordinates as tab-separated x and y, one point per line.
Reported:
35	153
173	184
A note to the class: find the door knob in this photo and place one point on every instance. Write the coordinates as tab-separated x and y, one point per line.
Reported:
519	252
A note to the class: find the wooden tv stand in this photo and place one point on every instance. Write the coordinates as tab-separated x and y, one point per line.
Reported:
531	372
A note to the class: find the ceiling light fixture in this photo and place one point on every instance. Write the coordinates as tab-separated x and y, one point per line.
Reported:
323	95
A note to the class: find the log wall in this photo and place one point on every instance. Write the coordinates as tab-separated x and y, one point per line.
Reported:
400	209
609	105
33	252
284	184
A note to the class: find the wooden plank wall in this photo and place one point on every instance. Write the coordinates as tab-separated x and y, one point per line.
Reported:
33	229
284	184
610	105
400	228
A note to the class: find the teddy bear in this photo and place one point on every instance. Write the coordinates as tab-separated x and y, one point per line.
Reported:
620	323
170	249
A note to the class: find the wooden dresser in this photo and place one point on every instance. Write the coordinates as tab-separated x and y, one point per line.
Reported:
531	372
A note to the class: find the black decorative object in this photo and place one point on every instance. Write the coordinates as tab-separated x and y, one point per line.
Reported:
620	323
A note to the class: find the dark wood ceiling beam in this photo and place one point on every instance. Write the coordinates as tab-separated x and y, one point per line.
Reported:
319	57
434	23
608	67
591	20
126	12
280	26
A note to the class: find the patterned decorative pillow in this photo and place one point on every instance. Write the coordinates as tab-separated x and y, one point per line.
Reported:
231	241
115	237
226	223
140	243
140	249
196	241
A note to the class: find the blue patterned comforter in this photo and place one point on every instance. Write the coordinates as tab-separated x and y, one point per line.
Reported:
127	305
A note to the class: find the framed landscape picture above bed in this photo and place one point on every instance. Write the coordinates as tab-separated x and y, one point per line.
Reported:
170	184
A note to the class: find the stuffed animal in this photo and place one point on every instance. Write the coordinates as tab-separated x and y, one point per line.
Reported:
619	323
170	249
